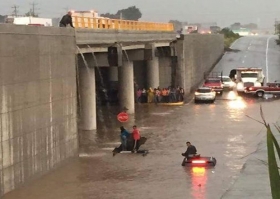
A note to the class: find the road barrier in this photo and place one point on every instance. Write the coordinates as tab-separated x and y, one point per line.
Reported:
117	24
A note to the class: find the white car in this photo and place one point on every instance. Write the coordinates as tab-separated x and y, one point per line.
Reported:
204	94
227	82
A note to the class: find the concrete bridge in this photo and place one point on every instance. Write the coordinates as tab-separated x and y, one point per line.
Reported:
40	91
119	50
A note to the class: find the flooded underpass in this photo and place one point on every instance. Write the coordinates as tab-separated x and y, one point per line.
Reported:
221	130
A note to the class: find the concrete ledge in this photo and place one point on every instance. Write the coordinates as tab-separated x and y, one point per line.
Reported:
12	29
88	36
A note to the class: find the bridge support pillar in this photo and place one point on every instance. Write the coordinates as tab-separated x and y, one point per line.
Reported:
126	86
113	77
152	66
88	98
153	73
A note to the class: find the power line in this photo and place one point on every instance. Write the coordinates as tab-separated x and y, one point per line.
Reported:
15	12
32	10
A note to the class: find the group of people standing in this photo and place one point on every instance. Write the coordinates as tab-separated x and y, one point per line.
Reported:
158	95
126	136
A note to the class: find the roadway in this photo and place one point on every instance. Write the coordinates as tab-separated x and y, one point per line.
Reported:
221	130
254	51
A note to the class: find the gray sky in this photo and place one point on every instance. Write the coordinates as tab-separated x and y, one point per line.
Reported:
224	12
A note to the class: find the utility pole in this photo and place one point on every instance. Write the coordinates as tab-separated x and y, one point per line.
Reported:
33	9
15	12
276	26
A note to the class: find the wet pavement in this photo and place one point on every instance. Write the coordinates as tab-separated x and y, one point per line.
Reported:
222	130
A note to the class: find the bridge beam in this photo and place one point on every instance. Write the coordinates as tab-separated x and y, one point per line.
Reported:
113	76
87	95
152	66
126	86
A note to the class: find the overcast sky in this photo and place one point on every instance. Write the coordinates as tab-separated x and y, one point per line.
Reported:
224	12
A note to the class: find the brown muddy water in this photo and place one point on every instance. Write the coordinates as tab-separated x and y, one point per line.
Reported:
221	130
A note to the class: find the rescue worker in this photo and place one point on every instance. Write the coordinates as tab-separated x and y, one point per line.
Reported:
191	150
66	19
124	137
136	138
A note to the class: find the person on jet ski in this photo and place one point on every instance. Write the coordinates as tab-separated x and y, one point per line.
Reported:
124	137
191	150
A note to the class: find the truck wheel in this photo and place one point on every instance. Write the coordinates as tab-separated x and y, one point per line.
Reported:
260	93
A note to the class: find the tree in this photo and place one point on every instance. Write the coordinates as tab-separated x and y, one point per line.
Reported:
228	33
177	24
2	18
235	26
31	14
111	16
130	13
250	26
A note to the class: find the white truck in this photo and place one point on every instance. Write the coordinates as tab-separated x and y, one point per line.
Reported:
35	21
190	29
246	77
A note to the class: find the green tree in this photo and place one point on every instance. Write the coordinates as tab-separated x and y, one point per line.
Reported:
229	37
228	33
130	13
111	16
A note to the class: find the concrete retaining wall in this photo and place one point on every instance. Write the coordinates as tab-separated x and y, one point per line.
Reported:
196	54
165	72
37	101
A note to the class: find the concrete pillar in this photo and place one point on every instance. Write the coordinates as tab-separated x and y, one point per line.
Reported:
126	86
153	73
113	76
87	98
181	66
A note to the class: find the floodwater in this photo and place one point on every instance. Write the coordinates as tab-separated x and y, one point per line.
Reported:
221	130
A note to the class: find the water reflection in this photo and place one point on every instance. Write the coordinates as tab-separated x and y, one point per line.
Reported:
199	182
231	95
239	103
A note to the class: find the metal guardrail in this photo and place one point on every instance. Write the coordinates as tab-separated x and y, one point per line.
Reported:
117	24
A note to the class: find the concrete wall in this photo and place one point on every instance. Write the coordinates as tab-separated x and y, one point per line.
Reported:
140	73
37	102
91	36
165	72
196	54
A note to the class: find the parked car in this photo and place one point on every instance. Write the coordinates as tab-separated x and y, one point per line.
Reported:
259	91
214	83
227	82
204	94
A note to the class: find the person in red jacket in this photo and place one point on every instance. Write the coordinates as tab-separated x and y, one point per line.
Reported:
136	138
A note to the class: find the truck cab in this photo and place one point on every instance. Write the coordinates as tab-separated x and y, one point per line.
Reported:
247	77
214	81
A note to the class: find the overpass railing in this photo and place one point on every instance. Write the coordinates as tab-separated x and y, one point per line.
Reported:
117	24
